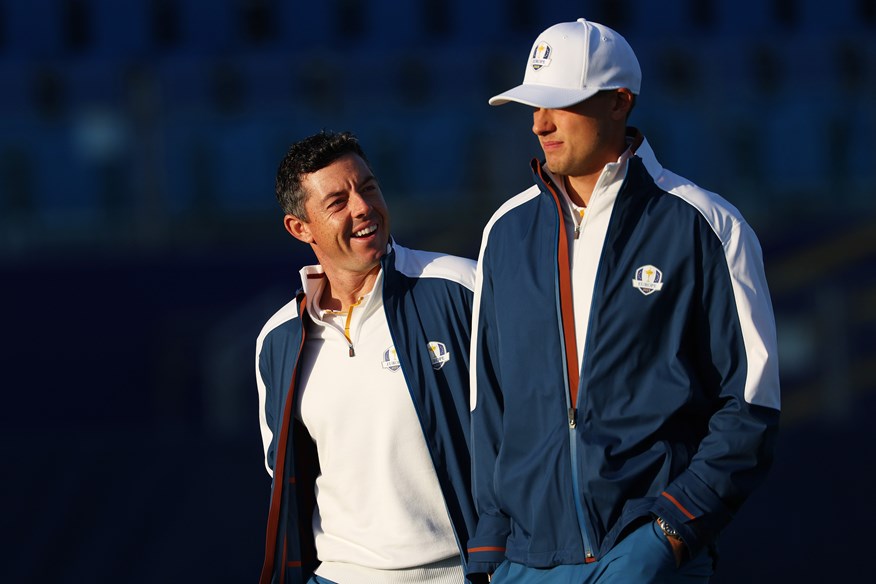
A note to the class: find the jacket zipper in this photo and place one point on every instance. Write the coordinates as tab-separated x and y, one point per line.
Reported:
570	356
589	556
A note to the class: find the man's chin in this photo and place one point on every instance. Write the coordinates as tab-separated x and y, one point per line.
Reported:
553	166
372	255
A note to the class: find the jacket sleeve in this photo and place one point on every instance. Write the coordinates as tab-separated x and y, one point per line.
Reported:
735	331
486	549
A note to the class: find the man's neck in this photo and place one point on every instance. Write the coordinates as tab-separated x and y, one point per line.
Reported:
342	290
580	188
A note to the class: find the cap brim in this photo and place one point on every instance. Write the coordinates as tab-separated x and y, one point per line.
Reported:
543	96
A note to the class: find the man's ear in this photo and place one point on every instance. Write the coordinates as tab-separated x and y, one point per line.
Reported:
298	228
623	104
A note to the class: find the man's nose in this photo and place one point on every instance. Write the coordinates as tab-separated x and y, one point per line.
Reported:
542	123
359	205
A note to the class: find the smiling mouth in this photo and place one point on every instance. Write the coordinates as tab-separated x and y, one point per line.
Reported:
365	232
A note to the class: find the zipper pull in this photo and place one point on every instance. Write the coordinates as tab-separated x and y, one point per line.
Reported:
352	352
572	421
580	221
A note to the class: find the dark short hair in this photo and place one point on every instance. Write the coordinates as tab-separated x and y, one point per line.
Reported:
307	156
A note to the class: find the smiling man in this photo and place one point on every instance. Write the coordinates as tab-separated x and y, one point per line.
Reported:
363	389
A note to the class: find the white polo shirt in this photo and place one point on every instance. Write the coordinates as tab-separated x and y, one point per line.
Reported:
380	514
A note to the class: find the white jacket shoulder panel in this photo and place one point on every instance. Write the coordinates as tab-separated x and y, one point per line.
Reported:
427	264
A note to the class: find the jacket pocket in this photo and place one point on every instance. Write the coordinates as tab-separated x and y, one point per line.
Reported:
635	513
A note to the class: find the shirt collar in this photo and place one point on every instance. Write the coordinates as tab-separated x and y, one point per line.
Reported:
313	281
612	173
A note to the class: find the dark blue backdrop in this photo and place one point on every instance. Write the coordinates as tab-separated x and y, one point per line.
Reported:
141	249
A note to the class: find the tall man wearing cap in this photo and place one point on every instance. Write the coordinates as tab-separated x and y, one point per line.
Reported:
363	389
625	393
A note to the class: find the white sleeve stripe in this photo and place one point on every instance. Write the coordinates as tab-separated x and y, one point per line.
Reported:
266	433
510	204
285	314
754	308
475	326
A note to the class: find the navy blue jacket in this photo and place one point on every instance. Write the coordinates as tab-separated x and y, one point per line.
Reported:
675	407
427	297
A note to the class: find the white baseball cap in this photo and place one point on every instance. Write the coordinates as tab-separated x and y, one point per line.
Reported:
572	61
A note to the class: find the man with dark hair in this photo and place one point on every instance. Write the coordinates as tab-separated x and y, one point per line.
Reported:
363	389
625	393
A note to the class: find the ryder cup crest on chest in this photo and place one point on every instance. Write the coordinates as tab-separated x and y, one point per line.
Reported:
648	279
390	359
438	355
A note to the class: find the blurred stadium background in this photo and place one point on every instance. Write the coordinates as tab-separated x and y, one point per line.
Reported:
141	247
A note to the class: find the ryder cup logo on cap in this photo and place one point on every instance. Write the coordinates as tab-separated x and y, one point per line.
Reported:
541	56
572	61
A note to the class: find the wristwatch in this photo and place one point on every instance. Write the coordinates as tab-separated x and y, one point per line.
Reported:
668	529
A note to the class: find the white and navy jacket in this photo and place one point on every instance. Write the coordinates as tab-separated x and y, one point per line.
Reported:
675	407
427	297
